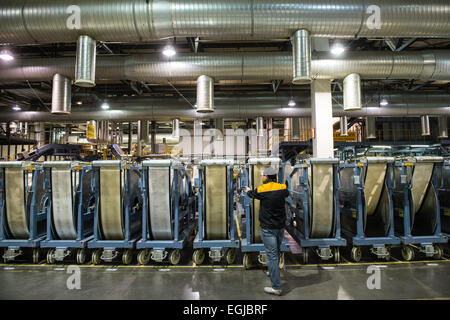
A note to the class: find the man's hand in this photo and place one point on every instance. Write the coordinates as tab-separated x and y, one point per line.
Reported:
247	189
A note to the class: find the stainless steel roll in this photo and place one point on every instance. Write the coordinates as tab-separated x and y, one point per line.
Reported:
111	219
375	175
216	202
16	215
160	188
62	200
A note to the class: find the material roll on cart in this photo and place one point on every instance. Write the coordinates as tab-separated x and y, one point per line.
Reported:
216	222
314	187
416	207
443	186
118	210
70	213
23	204
252	243
367	212
168	211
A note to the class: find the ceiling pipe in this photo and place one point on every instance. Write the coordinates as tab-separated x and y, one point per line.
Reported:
443	127
301	53
425	124
259	66
85	62
243	107
260	126
370	128
205	94
176	128
344	127
352	92
61	95
31	22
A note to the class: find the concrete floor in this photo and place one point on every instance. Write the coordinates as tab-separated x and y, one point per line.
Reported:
399	280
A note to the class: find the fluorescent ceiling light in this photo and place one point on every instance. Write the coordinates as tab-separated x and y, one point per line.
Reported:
384	102
105	106
337	49
291	103
169	51
17	108
6	56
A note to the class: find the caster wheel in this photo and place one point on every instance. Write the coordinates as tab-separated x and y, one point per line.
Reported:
388	257
50	258
281	263
198	256
96	256
127	256
407	253
439	252
35	256
337	255
306	256
230	256
356	254
246	261
175	256
143	257
81	256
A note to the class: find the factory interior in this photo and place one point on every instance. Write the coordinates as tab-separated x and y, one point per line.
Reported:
130	131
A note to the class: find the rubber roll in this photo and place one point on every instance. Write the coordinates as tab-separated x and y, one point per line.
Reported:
16	215
159	188
216	205
322	200
111	220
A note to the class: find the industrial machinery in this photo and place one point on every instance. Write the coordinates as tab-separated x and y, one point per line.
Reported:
118	209
314	205
416	206
443	186
216	222
23	204
366	205
252	243
168	213
70	210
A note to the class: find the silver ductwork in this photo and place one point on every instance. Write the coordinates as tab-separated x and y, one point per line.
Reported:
61	95
425	124
411	104
145	131
343	126
30	22
85	62
371	132
242	66
176	128
260	126
352	92
301	57
443	127
220	127
205	94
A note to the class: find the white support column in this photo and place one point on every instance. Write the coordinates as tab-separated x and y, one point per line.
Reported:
322	119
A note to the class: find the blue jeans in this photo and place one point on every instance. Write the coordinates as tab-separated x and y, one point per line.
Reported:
272	239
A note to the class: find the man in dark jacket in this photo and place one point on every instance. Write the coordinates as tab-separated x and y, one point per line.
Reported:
272	218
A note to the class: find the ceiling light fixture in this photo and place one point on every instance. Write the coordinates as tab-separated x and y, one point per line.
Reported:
384	102
291	103
16	108
6	56
169	50
105	106
337	49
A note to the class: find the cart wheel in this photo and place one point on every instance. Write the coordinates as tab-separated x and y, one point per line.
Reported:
388	257
305	256
231	255
439	252
246	261
50	258
198	256
143	257
281	264
127	256
407	253
356	254
175	256
96	256
337	255
35	255
81	256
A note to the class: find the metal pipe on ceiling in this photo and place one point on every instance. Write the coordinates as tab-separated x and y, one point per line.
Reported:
261	66
352	92
443	126
205	94
301	53
425	125
46	21
61	95
85	62
343	126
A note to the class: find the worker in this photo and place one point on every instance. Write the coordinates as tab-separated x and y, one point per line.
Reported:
272	218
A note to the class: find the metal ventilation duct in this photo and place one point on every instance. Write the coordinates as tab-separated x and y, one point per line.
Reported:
443	127
411	104
287	129
260	66
145	131
176	128
301	53
85	62
352	92
220	126
30	22
205	94
344	127
260	126
425	123
61	95
370	128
